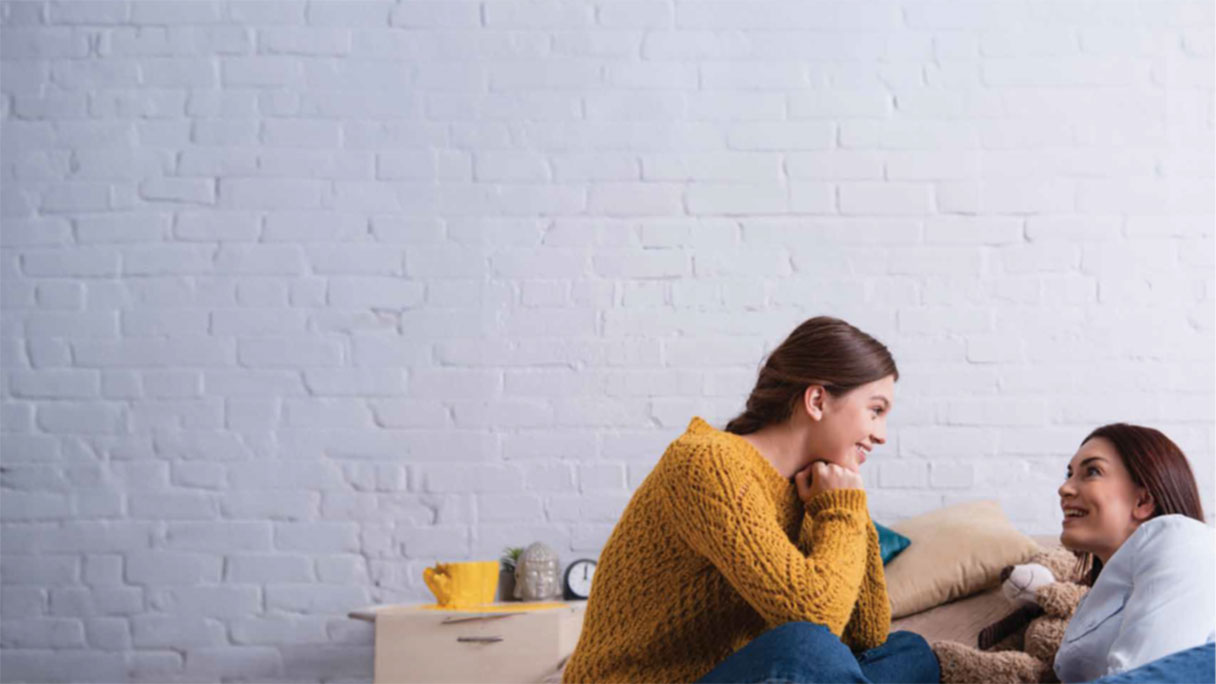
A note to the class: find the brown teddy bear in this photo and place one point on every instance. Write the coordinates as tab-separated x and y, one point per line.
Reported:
1046	591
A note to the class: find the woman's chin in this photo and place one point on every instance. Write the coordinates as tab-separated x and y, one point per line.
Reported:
1068	539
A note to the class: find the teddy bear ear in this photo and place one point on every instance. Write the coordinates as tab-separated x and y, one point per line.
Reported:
1064	565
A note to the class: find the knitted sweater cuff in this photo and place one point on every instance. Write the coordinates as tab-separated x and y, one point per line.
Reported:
848	499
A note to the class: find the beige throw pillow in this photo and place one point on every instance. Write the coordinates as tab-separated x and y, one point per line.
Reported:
956	551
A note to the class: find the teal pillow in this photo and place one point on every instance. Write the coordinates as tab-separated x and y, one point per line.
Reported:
890	543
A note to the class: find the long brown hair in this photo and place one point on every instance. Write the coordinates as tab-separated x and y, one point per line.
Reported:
821	351
1157	464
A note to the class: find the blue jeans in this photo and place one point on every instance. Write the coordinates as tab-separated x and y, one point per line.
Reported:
1191	666
807	652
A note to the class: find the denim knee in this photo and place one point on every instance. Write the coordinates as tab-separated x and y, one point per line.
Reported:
907	640
795	646
796	634
904	657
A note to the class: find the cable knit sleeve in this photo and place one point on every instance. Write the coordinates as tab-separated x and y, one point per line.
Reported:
871	620
722	513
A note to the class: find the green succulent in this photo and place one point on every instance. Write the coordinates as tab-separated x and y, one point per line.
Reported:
510	556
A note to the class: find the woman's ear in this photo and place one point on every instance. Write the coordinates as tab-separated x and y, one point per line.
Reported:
814	399
1145	505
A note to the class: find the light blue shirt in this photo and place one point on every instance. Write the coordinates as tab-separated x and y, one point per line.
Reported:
1155	596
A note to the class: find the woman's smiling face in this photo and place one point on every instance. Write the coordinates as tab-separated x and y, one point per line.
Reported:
853	423
1101	503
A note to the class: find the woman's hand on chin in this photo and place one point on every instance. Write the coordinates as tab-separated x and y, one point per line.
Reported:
821	476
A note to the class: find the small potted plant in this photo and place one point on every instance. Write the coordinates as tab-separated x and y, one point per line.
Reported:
506	572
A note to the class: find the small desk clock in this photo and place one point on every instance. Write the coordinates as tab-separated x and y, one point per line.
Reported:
578	579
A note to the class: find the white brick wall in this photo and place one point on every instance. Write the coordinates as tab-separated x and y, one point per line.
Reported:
299	297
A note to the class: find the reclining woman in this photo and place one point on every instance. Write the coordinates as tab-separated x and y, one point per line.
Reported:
1132	509
748	554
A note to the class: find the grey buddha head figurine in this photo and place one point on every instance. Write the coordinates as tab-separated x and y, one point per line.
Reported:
536	574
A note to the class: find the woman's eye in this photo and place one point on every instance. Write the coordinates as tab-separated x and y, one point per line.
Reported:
1092	471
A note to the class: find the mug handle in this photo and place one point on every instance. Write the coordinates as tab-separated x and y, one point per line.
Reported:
439	583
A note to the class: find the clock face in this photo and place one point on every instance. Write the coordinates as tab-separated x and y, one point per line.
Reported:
578	578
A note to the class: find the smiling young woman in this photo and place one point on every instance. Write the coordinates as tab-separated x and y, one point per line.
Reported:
1131	509
748	553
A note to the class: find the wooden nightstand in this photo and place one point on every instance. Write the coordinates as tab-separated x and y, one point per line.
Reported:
417	645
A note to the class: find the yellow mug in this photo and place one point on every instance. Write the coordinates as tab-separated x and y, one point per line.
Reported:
463	585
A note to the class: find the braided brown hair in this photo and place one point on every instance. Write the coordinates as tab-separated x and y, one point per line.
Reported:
821	351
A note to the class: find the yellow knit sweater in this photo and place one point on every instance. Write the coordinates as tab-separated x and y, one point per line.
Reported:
715	548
